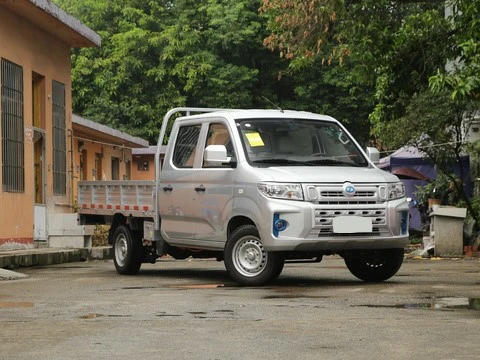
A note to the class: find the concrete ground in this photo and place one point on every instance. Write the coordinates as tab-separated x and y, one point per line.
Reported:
191	309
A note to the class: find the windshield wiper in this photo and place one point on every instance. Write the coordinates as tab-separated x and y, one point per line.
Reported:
278	161
332	162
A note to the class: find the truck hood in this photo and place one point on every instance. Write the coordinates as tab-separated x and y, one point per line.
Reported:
325	174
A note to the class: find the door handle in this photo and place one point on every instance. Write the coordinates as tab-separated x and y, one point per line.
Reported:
167	188
200	188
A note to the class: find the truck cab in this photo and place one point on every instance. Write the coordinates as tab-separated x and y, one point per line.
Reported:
298	182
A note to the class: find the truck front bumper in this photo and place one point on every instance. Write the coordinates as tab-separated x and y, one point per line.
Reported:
304	226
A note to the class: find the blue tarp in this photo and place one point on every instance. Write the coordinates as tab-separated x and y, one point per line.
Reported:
411	157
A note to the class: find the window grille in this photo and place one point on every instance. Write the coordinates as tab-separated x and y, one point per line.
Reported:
59	139
12	118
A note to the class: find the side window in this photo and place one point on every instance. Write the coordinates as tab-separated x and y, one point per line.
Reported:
218	135
185	146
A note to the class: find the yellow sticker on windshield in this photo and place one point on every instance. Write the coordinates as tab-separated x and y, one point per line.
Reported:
254	139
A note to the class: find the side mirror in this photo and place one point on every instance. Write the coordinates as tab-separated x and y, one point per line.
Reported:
373	154
216	154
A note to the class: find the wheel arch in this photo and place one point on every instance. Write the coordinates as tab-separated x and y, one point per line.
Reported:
236	222
117	220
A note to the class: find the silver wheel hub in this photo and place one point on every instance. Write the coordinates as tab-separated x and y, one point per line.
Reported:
250	257
121	250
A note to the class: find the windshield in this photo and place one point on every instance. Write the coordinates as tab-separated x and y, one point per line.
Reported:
297	142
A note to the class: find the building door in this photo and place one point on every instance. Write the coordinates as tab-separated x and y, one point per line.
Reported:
128	170
84	165
115	167
40	213
98	171
39	182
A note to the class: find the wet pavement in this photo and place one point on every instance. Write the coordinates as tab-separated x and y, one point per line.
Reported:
192	310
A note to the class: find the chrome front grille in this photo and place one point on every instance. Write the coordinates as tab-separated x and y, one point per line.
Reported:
331	201
333	194
325	217
323	220
329	194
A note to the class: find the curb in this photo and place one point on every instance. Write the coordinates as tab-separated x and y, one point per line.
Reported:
49	256
11	275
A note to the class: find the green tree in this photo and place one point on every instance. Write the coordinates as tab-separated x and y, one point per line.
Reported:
333	90
391	47
462	74
421	66
438	124
156	55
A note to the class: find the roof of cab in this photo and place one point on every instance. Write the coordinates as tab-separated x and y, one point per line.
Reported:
257	113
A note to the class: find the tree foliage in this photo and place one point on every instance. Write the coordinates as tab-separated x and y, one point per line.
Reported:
392	47
462	75
301	28
418	60
362	61
156	55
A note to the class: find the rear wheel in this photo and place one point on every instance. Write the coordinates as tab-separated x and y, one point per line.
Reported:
247	261
374	265
127	250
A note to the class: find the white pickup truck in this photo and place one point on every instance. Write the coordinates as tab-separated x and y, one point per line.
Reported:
256	189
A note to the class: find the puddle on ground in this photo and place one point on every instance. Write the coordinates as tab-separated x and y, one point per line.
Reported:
438	304
164	314
91	316
139	287
199	286
293	296
94	316
291	293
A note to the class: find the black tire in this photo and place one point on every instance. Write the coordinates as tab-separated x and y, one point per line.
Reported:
127	250
374	265
246	260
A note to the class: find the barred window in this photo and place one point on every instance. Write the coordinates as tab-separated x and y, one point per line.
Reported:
13	154
59	139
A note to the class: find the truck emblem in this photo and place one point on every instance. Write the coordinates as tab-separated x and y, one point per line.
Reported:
348	189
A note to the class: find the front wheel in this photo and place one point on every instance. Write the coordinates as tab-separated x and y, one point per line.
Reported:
127	249
374	265
247	261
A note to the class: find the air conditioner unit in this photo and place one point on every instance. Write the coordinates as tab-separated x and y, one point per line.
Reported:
473	133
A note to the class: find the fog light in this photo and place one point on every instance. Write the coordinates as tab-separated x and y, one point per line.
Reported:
278	224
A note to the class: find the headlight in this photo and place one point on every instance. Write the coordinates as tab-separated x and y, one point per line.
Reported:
395	190
281	191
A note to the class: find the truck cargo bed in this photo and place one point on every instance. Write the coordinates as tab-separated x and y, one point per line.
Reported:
128	197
